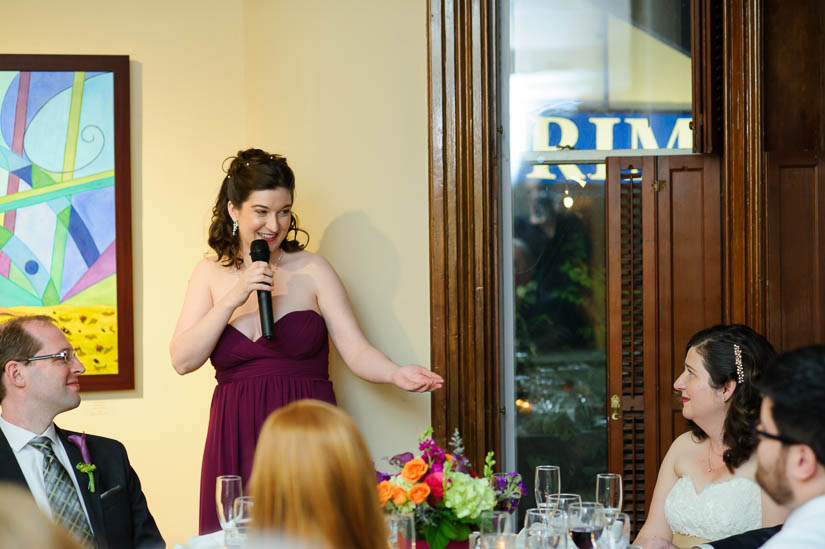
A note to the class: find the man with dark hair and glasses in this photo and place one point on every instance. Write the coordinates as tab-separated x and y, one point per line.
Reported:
84	483
791	451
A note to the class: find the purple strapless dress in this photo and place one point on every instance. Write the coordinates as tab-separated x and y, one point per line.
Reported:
255	378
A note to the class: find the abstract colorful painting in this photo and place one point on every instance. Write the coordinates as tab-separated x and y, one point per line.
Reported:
59	230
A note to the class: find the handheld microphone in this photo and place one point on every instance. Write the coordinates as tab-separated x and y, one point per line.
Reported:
259	251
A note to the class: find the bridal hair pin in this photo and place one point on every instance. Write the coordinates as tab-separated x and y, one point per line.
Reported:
737	354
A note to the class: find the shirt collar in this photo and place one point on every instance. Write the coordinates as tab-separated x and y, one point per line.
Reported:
19	437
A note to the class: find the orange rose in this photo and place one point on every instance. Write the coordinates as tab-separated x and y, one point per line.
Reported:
399	496
448	457
384	492
419	493
414	469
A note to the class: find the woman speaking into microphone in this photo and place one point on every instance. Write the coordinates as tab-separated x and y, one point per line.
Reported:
220	319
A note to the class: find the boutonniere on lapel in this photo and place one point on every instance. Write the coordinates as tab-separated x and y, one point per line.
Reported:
87	466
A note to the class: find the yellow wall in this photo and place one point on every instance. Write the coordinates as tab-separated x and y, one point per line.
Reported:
340	89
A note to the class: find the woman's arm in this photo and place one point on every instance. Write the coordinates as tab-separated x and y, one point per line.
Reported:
656	528
201	321
361	357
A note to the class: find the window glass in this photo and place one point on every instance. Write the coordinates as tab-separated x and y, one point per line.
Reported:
584	78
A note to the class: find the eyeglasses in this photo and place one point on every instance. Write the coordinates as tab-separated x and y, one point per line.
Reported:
66	355
780	438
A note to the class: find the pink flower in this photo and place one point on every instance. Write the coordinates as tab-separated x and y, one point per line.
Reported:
435	481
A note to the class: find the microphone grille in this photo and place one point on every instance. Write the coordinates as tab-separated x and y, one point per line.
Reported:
259	250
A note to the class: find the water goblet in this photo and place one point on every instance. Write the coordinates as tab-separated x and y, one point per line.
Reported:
545	529
585	522
609	490
495	522
242	518
227	488
504	540
616	534
548	482
562	501
400	530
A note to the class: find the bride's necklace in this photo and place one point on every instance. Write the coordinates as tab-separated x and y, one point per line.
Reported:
710	446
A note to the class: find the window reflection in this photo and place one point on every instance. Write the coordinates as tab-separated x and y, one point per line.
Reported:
589	77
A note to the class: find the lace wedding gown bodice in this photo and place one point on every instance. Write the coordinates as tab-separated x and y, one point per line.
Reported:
722	509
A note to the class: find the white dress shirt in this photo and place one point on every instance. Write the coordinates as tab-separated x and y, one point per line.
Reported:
31	460
804	528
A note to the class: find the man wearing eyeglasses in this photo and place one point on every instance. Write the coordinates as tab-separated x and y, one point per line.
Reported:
104	507
791	451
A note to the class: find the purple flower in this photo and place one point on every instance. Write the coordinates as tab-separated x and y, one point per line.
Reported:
381	477
87	466
399	460
80	442
432	453
509	489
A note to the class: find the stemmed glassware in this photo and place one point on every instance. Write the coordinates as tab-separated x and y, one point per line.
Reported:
585	522
227	488
545	529
616	533
242	517
400	530
609	490
563	501
548	483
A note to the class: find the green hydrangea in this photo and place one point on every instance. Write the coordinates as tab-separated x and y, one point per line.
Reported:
468	496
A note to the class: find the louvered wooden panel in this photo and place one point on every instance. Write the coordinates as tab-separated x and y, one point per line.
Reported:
631	316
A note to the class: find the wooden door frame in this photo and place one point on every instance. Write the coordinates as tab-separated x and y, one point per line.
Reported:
464	222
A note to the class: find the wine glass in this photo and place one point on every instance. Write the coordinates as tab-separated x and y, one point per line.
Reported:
545	529
400	530
548	482
562	501
494	522
535	529
585	522
242	517
227	488
609	490
616	534
505	540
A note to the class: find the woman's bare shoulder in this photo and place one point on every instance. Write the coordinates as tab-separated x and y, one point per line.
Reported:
210	268
682	450
304	260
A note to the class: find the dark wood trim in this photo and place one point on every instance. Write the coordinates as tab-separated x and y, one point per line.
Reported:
744	188
795	236
464	222
706	35
119	66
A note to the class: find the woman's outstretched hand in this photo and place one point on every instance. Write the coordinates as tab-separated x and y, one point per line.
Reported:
417	379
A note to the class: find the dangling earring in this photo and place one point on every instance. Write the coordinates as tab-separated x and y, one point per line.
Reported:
234	227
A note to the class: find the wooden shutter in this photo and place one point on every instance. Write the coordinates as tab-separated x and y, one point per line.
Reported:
631	328
664	279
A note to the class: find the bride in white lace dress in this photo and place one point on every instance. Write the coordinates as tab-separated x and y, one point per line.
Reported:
706	488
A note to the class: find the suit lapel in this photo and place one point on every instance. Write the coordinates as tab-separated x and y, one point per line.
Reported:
92	501
9	469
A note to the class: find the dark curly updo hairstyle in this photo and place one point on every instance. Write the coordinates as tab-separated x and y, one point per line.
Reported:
716	347
251	170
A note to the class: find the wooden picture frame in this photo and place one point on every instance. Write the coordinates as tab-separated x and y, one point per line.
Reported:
65	205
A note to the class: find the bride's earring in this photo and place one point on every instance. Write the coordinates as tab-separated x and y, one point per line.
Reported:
234	227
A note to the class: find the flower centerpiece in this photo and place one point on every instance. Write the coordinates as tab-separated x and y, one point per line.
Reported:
445	496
